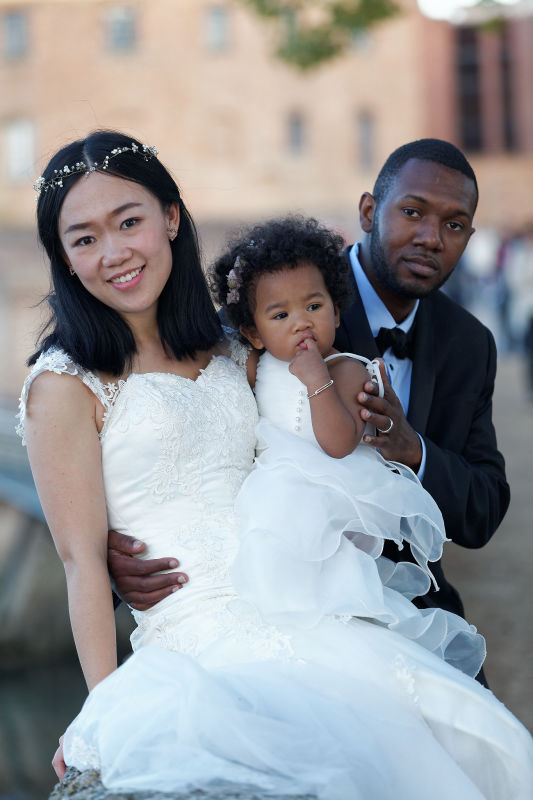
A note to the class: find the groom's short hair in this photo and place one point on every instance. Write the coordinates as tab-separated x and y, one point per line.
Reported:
436	150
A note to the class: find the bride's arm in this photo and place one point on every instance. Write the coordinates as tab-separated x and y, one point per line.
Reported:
65	458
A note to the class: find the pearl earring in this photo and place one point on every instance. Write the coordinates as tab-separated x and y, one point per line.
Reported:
172	233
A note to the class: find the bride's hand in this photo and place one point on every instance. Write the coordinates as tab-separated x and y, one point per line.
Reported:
58	762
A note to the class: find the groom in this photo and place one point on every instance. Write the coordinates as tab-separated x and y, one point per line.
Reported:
436	415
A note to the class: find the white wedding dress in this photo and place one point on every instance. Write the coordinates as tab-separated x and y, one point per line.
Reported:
317	676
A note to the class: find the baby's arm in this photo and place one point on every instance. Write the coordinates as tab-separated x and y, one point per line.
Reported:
65	458
335	412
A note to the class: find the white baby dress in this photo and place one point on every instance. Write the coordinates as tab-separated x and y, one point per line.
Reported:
291	661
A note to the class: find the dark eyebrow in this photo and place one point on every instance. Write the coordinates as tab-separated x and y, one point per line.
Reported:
79	226
458	212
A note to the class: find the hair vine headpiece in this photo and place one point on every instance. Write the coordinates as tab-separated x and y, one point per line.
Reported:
42	185
234	280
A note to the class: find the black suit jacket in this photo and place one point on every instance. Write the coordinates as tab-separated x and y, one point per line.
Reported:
454	366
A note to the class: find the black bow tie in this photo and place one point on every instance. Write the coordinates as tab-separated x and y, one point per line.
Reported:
401	343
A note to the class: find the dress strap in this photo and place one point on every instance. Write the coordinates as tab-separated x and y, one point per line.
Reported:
56	360
372	367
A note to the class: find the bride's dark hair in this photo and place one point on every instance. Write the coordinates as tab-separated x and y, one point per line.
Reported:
95	336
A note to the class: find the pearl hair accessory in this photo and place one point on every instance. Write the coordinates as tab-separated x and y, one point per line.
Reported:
42	185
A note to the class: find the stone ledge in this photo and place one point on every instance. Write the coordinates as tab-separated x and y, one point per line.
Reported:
88	786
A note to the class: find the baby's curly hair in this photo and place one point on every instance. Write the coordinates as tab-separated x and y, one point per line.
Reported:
270	247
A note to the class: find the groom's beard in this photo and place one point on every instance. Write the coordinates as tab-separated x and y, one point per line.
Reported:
385	274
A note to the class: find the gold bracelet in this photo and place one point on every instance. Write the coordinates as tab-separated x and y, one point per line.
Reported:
326	386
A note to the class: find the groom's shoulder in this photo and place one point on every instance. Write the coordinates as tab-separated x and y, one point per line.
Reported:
442	310
456	329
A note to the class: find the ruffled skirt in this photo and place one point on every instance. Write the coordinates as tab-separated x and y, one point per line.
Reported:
313	530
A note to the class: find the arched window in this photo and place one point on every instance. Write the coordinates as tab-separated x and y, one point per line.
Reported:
19	150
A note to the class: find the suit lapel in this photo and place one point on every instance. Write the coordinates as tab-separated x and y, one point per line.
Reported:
423	375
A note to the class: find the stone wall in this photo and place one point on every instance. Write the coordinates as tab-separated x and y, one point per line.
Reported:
87	786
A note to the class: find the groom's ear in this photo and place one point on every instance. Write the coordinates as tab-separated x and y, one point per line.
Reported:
253	337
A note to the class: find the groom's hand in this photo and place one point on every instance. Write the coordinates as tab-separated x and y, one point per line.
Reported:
140	583
402	442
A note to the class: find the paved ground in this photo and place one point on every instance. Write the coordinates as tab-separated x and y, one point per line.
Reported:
496	583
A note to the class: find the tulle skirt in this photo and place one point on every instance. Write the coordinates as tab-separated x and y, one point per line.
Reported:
327	680
350	711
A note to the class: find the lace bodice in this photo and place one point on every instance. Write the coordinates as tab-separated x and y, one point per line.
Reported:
175	452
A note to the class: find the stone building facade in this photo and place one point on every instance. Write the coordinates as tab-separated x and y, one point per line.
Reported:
246	135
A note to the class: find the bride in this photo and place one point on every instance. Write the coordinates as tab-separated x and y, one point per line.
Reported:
138	415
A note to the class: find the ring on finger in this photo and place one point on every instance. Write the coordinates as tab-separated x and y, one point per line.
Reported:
386	430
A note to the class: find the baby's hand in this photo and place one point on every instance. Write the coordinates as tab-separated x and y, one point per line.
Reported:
309	366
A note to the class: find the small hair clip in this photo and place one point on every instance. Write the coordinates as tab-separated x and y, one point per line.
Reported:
234	281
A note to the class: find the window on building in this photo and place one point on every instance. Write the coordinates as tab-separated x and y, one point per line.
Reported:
217	28
366	135
19	150
15	34
361	40
468	83
290	24
121	29
297	135
478	108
